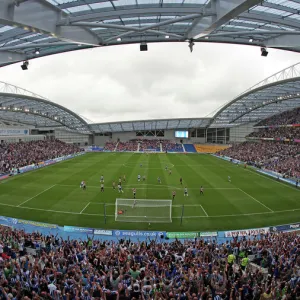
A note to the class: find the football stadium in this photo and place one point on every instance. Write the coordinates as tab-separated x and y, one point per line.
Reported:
163	208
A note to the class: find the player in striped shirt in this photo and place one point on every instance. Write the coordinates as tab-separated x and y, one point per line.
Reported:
83	185
134	192
201	190
102	187
186	192
173	195
120	188
102	179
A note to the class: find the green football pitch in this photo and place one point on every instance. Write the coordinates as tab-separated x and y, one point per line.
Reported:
52	194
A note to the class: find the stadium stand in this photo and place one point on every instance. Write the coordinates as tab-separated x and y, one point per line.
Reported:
209	148
190	148
149	145
277	133
192	269
110	146
171	146
17	155
127	146
285	118
275	156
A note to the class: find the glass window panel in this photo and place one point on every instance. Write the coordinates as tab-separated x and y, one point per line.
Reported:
297	17
100	5
195	1
6	28
78	8
124	2
147	2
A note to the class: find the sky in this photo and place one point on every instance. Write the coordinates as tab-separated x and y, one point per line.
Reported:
120	83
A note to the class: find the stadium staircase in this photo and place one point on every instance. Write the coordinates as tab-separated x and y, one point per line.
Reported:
183	147
116	147
138	148
161	147
190	148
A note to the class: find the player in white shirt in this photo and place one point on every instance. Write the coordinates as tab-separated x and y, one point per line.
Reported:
134	193
144	177
83	185
120	188
139	178
186	192
102	187
229	179
158	180
102	179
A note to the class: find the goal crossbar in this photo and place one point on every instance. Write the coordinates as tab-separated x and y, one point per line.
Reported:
143	210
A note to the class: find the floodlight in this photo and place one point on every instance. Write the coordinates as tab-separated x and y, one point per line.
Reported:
37	51
24	66
191	44
143	47
119	39
167	36
250	40
264	52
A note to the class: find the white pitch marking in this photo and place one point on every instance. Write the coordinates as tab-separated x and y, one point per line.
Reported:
203	210
256	200
37	195
216	216
129	186
85	207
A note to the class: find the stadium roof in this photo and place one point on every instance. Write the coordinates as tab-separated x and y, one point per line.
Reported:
30	29
276	94
21	106
162	124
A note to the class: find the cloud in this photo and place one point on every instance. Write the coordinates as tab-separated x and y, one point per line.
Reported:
122	83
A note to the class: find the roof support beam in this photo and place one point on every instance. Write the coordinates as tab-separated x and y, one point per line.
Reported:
156	25
6	56
287	41
252	32
114	14
39	16
267	18
225	10
28	46
262	105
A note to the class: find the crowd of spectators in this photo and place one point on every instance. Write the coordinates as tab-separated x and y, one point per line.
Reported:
286	118
155	269
110	146
277	132
276	156
17	155
171	146
127	146
144	145
149	145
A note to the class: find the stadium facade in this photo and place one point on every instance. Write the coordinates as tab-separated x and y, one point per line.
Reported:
27	116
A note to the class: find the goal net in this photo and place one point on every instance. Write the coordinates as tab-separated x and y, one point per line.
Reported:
142	210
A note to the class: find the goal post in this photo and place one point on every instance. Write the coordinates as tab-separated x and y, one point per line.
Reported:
143	210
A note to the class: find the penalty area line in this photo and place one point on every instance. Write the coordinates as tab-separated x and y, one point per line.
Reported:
268	208
37	195
203	210
85	208
187	217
